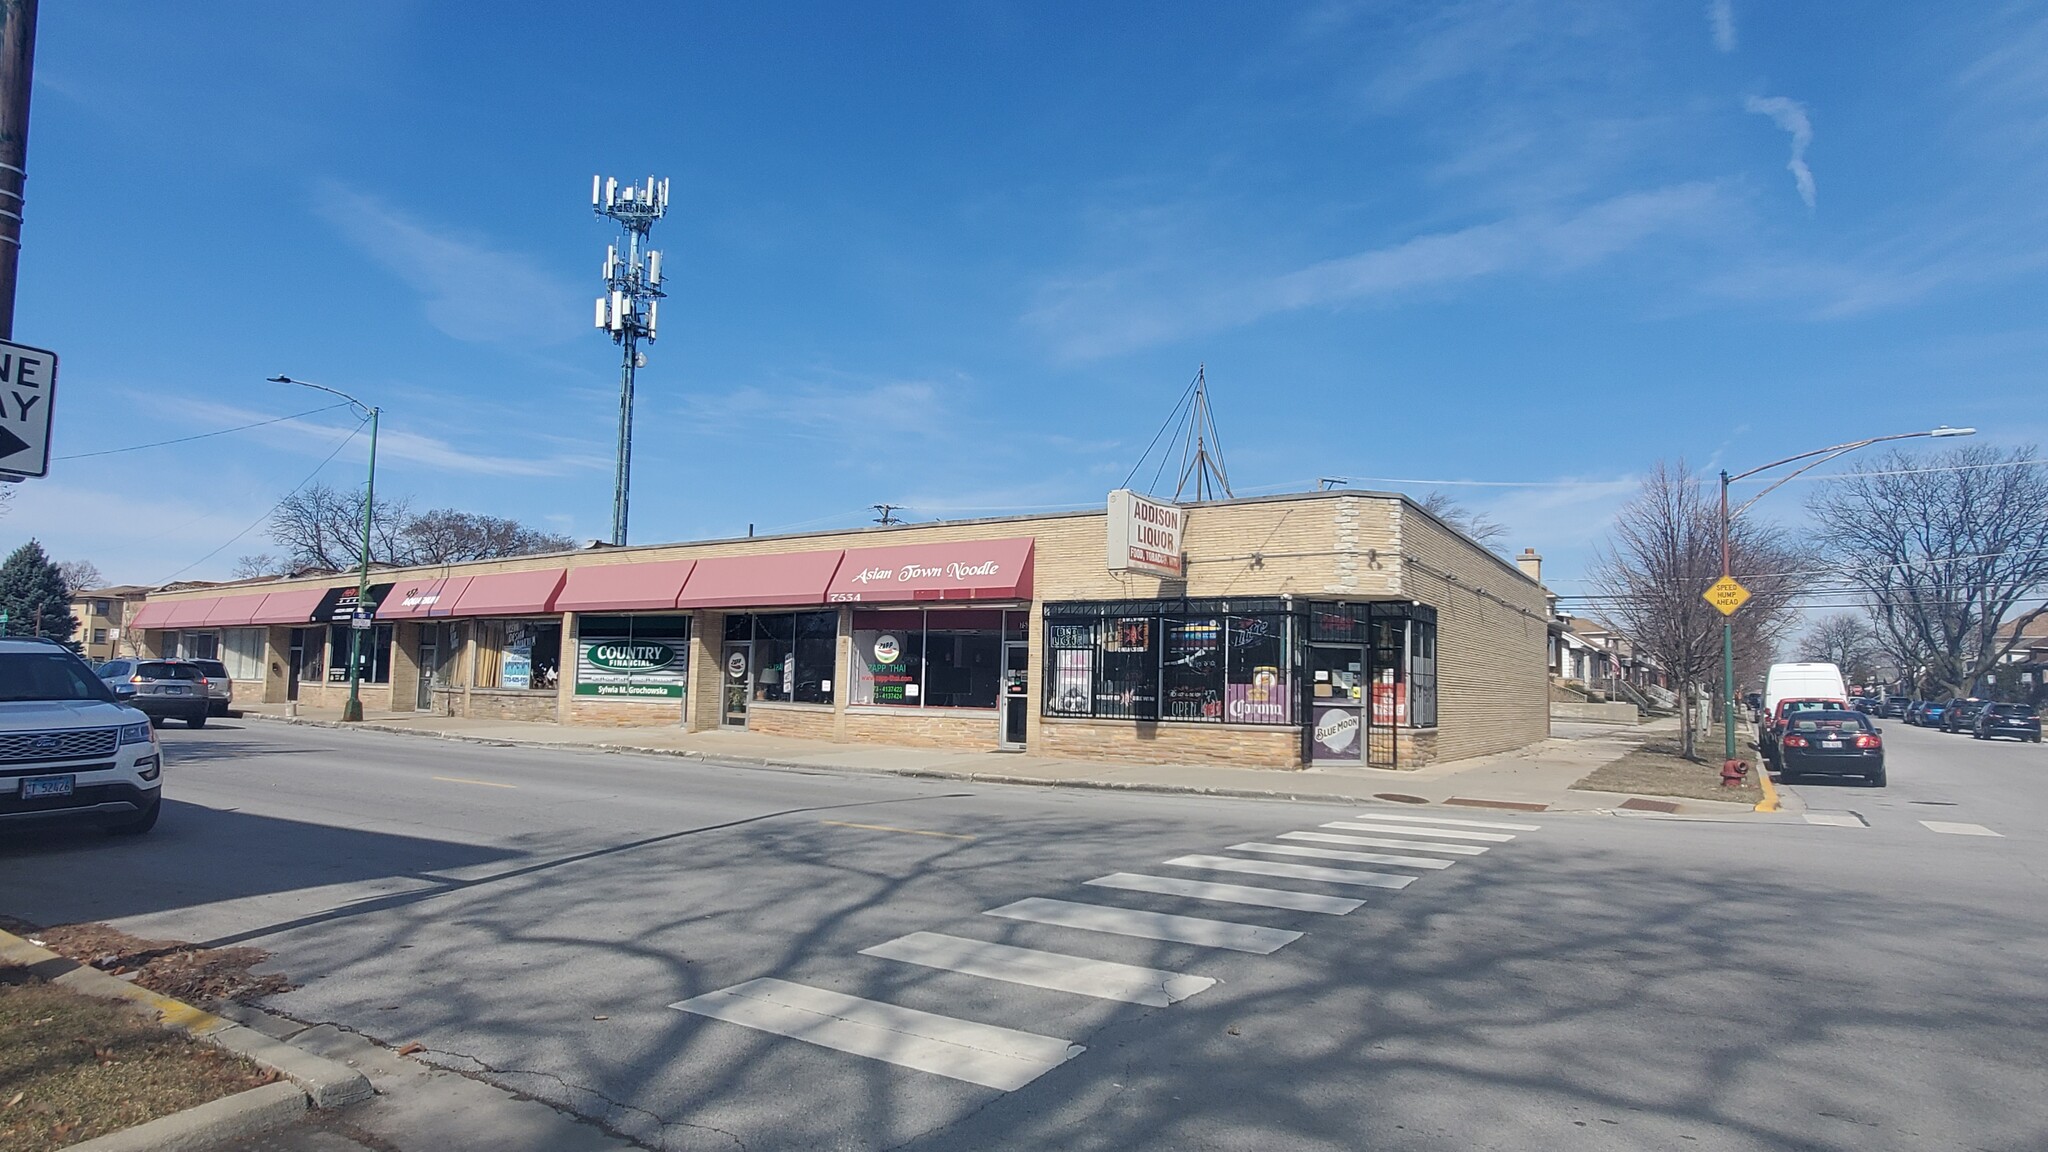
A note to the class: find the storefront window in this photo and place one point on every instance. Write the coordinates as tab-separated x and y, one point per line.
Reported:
519	654
1121	661
793	656
943	658
242	652
1422	673
374	657
633	657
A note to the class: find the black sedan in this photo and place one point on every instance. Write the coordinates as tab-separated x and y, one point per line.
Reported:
1961	715
1832	743
2018	721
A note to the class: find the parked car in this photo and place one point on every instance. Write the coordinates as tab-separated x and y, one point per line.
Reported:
1961	715
2018	721
1863	704
1930	713
1832	742
164	689
1894	707
69	748
1773	728
220	687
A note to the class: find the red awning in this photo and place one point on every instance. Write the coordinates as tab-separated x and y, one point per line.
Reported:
294	606
509	594
624	587
189	613
234	611
792	578
413	599
150	615
954	570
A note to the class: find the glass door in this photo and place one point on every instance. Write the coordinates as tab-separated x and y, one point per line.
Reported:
428	662
1337	703
739	659
1016	692
298	653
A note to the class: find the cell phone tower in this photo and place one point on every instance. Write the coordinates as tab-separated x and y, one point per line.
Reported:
632	282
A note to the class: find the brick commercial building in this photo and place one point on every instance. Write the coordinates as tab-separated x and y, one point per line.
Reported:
1327	628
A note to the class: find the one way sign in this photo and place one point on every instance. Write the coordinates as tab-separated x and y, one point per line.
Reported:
28	390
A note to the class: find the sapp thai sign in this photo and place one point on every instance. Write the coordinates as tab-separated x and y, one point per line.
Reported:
630	669
1145	535
949	570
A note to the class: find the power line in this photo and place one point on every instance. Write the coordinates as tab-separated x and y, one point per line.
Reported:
202	435
273	507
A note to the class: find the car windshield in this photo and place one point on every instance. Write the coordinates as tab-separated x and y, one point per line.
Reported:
167	672
47	676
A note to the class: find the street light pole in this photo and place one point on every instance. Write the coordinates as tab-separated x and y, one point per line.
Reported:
1817	457
353	710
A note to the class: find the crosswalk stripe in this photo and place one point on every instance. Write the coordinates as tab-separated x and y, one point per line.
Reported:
1835	819
1952	828
1001	1058
1380	842
1340	854
1293	871
1149	925
1230	893
1402	830
1102	979
1407	818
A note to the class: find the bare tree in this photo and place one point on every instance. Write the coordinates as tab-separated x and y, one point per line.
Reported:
80	575
445	536
1483	530
320	527
1664	550
1846	640
260	564
1947	550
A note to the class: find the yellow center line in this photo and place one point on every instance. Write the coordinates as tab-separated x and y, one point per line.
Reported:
482	783
905	831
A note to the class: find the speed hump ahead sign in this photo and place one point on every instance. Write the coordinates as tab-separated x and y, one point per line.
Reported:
28	390
1726	595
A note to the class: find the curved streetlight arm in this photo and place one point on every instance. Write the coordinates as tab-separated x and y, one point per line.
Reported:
1825	455
365	409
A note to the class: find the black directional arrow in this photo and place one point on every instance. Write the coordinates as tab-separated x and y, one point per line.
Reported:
10	443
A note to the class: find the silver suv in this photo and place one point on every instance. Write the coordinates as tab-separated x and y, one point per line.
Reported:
68	748
220	687
163	689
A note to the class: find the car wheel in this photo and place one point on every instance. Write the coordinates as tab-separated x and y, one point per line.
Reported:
137	825
156	721
196	720
1875	779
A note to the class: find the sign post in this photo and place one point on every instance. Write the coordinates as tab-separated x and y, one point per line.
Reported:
28	391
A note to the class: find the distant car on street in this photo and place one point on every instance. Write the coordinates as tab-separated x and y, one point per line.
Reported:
164	689
2018	721
1863	704
1961	715
1832	742
1930	712
220	687
1894	707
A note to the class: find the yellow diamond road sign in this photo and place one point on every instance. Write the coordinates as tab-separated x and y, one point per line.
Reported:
1727	595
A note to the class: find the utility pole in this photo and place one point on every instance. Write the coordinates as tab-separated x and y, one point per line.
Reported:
632	281
17	71
361	620
887	513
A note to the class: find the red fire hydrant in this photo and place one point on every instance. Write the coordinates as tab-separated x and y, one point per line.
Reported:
1732	772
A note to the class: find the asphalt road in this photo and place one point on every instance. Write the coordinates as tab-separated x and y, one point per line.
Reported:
1598	982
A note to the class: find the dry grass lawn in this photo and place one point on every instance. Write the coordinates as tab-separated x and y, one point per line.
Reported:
1657	769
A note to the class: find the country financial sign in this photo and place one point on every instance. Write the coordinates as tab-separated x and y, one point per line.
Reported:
1145	535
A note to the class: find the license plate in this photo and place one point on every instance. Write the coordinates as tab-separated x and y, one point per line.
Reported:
172	689
36	786
1831	743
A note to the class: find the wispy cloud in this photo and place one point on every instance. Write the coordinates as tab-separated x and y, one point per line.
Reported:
1721	22
393	443
1790	115
471	289
1113	312
827	410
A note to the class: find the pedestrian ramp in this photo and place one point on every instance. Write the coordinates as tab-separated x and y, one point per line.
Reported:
1295	877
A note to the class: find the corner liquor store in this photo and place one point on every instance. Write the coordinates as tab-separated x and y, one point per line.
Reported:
1298	635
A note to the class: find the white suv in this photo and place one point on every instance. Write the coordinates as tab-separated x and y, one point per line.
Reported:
68	748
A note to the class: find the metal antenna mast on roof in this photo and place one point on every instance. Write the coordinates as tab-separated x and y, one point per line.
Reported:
1201	450
632	283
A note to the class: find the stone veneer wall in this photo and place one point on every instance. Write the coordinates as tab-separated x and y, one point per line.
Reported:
923	727
1156	743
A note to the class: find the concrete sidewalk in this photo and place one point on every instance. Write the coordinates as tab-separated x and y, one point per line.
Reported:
1536	778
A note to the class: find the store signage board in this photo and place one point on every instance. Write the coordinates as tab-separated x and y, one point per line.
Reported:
1145	535
626	669
1726	595
28	392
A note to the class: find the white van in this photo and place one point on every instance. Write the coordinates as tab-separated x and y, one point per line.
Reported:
1803	682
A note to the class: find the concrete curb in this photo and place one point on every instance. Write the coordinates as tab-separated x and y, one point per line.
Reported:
329	1084
1763	780
206	1126
912	773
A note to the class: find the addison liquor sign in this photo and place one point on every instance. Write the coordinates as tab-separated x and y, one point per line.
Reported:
1145	535
635	669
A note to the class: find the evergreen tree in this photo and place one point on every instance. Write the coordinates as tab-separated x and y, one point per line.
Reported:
33	595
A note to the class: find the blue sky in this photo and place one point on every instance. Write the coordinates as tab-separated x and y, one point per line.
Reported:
963	256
